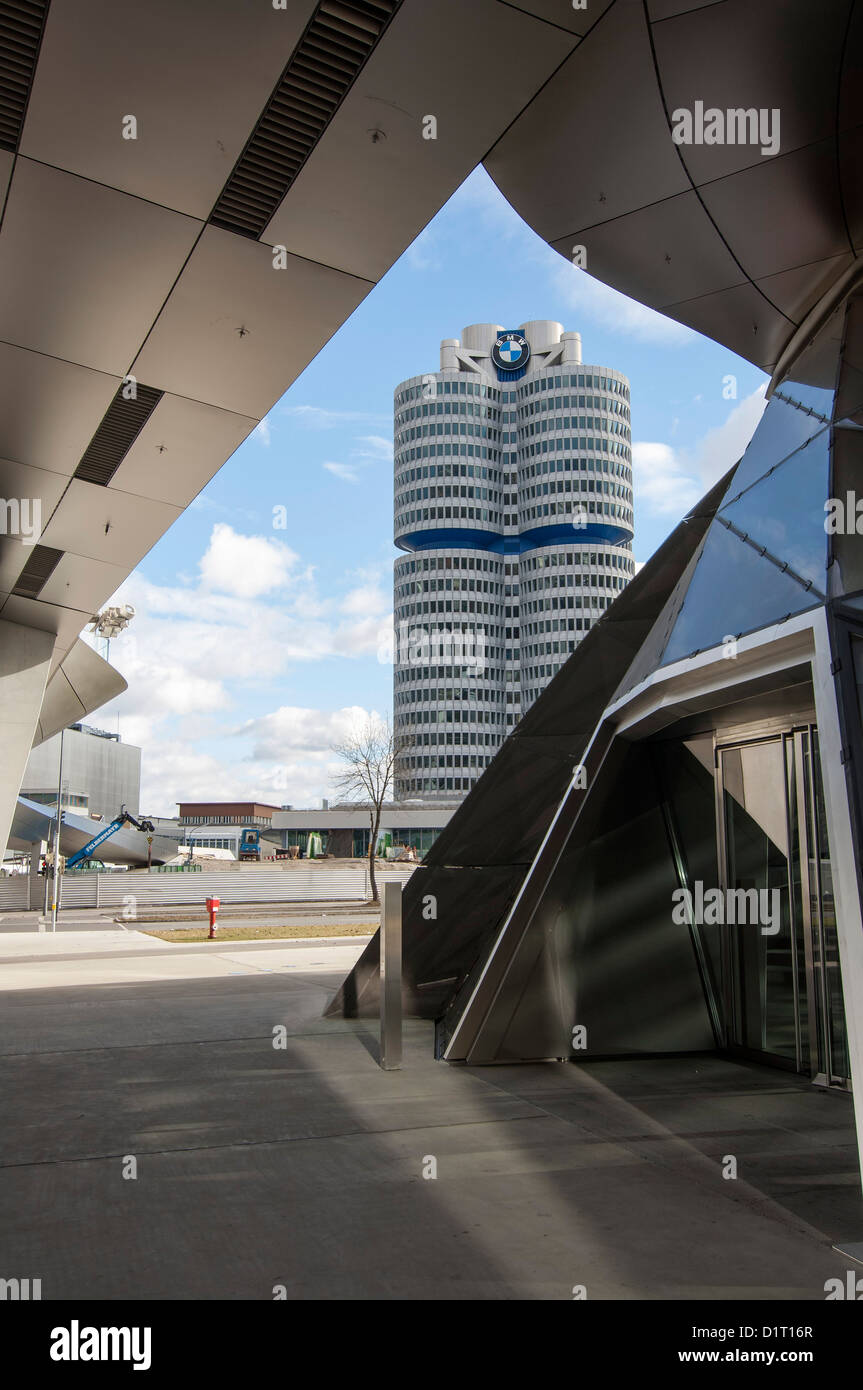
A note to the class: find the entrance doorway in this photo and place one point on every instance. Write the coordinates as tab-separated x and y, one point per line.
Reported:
780	963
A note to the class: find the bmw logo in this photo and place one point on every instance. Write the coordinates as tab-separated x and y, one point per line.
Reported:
510	355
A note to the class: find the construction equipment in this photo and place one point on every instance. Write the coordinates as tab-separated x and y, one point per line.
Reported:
250	845
124	818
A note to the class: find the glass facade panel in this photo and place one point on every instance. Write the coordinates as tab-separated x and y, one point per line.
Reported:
771	530
785	511
815	398
782	429
733	590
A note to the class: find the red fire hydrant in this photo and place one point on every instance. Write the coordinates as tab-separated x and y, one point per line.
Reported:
213	910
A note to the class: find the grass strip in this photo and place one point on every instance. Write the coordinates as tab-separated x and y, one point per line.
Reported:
292	931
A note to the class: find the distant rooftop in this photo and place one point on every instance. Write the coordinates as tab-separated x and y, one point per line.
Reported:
225	812
97	733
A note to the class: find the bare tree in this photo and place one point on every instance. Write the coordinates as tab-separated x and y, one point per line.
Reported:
370	755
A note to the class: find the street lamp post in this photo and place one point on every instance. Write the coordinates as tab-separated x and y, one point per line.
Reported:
57	820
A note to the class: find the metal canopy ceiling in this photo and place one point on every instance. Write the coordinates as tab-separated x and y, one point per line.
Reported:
739	246
111	262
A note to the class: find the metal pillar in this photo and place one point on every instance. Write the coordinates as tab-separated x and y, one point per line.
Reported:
34	880
391	978
56	880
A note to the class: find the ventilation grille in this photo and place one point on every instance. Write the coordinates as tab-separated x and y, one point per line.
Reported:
120	427
42	563
21	25
338	40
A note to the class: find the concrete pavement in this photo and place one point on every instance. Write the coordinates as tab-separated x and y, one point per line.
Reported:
117	954
271	1149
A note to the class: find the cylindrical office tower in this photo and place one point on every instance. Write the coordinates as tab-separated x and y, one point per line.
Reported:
513	501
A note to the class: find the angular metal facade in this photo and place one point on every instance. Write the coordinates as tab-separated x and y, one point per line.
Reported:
541	925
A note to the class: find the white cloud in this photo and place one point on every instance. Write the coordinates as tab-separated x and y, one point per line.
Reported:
366	598
261	432
668	481
294	729
203	503
346	471
376	447
246	566
723	446
172	770
284	757
196	655
592	300
660	482
420	255
373	447
316	417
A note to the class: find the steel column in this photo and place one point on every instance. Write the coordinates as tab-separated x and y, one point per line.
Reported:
391	978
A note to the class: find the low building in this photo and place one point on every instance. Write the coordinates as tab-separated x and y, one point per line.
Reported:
344	830
217	825
200	813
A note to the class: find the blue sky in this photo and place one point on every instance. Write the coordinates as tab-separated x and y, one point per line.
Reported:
254	649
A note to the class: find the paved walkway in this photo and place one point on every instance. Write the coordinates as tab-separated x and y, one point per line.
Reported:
306	1165
123	955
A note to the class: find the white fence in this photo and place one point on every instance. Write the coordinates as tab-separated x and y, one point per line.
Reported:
14	893
248	883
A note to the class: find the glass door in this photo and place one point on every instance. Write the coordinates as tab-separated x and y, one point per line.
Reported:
829	1059
762	937
781	977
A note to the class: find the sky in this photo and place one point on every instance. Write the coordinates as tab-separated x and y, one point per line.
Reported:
262	616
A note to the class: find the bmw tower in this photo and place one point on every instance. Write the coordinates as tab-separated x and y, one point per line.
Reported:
513	505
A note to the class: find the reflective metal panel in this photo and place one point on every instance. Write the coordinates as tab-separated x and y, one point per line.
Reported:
391	978
603	967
